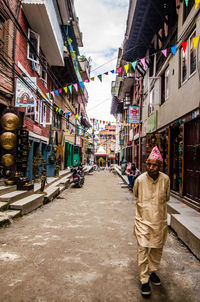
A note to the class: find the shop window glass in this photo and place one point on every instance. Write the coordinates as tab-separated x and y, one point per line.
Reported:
188	59
35	41
193	59
183	66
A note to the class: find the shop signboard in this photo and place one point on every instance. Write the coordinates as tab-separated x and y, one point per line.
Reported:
150	124
134	114
25	97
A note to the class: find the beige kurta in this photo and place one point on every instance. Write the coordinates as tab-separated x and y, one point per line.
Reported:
151	210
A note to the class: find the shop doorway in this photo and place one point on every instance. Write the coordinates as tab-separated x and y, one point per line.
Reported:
192	161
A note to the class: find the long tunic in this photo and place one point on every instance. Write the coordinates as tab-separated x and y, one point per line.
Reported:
151	210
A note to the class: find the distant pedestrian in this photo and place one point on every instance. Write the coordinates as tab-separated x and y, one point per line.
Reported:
133	173
152	190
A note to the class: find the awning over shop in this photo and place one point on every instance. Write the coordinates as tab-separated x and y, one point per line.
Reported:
147	19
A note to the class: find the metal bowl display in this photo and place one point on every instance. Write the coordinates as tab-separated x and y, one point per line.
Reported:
10	121
9	182
8	140
8	160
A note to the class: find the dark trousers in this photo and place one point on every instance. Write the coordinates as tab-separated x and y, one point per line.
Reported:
131	180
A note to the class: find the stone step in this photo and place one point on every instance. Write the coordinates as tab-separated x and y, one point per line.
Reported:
15	195
51	193
12	213
28	204
7	189
4	219
3	205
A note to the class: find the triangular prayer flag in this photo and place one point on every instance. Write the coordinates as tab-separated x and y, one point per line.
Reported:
134	64
76	86
184	45
81	84
112	71
126	67
174	48
56	108
60	90
86	81
195	41
92	79
119	69
56	91
197	2
52	92
100	77
43	96
143	62
186	2
70	88
64	111
65	89
106	73
164	51
72	114
68	113
48	95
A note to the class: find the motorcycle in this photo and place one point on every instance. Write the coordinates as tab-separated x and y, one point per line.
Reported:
78	176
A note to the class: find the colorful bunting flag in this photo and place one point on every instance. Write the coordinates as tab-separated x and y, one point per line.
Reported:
112	71
126	67
43	96
164	51
195	41
106	73
76	86
184	45
56	91
92	79
174	48
197	2
65	89
60	90
119	69
48	95
100	77
52	92
81	84
143	62
186	2
134	64
70	88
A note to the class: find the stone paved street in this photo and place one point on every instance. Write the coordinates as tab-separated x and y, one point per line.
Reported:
80	248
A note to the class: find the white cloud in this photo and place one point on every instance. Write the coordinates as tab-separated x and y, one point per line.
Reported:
103	24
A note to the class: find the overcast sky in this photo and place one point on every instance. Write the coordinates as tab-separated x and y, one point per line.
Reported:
103	24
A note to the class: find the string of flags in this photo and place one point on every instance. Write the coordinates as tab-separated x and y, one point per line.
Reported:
165	52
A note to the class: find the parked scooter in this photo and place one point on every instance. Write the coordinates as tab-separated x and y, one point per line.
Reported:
78	176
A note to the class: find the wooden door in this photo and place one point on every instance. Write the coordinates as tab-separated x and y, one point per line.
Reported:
192	161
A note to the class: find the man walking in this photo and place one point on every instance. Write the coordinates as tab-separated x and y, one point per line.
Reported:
152	190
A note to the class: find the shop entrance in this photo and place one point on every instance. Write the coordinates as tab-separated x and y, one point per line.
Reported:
192	160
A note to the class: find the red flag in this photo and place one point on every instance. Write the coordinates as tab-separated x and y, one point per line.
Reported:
184	45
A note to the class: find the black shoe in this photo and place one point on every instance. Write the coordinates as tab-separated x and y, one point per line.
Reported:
146	289
155	280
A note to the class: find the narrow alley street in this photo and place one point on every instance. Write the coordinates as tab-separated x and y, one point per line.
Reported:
80	248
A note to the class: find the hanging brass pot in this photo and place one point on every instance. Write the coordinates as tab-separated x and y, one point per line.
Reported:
10	121
8	160
8	140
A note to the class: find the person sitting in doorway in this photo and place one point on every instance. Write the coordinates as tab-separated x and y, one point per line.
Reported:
133	173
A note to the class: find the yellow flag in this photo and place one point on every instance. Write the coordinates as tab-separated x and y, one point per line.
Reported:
65	89
197	3
43	96
126	67
195	41
92	79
